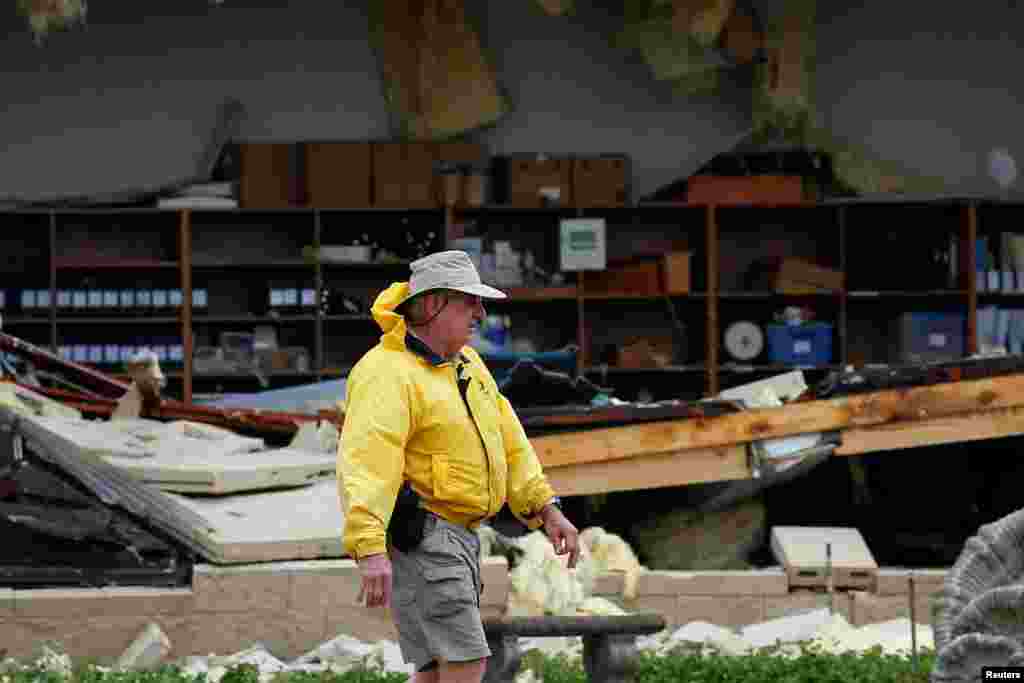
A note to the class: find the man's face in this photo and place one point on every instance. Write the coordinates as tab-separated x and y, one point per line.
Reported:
454	325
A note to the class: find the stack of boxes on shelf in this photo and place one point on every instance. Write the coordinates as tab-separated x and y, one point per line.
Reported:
999	329
169	351
250	353
95	302
538	180
804	343
413	175
405	175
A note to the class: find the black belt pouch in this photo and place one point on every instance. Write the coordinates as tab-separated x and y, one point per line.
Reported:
407	521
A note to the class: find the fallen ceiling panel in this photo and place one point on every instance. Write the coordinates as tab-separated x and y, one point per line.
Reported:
111	485
292	524
217	474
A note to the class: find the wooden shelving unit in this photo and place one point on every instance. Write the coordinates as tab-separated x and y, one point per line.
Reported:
232	253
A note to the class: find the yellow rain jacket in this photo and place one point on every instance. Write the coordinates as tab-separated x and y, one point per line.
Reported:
406	420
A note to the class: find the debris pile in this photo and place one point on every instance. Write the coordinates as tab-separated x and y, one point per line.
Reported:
784	637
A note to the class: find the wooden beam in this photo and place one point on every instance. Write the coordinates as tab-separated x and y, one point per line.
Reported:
910	405
711	313
185	258
651	471
989	424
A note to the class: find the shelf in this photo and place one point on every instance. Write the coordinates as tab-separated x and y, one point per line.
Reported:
574	210
736	295
623	296
905	294
242	265
740	368
365	264
379	209
125	320
125	377
24	321
683	369
667	369
253	375
348	318
508	208
519	294
253	318
100	264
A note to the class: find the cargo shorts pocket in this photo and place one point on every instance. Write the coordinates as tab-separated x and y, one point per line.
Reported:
448	591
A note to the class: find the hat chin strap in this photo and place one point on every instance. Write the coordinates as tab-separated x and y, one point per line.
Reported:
431	318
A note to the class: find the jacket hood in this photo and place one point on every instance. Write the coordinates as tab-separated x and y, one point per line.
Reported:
391	323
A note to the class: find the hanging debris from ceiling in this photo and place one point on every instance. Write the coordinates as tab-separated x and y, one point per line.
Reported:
438	82
701	19
691	42
556	8
47	16
782	97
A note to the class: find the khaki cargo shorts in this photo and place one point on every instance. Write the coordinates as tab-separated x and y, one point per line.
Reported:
436	596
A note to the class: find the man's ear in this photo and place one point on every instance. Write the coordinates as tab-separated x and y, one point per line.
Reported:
432	304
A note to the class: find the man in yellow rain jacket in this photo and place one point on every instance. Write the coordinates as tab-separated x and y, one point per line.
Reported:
429	449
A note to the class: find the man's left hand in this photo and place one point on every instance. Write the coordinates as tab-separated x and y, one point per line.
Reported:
564	536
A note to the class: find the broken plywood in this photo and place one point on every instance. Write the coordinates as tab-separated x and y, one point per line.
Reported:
438	80
140	438
108	483
293	524
894	406
803	553
198	471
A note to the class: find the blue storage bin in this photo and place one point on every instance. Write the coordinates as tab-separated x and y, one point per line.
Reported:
807	345
929	336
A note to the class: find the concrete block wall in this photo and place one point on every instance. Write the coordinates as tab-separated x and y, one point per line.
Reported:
737	598
293	607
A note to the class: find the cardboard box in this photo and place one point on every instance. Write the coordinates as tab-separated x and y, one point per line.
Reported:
641	277
801	550
474	189
798	275
267	175
755	189
462	153
536	181
338	174
675	270
741	38
600	181
403	174
646	352
420	190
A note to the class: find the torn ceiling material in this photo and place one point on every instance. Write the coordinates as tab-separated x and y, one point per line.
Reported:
286	524
57	490
190	457
72	520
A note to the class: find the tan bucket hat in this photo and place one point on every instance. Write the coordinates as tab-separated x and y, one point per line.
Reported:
448	270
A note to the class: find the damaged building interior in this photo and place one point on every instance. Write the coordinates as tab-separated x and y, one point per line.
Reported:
761	326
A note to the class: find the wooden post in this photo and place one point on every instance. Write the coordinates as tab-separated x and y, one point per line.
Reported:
843	313
968	271
318	283
711	239
581	329
185	262
54	345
